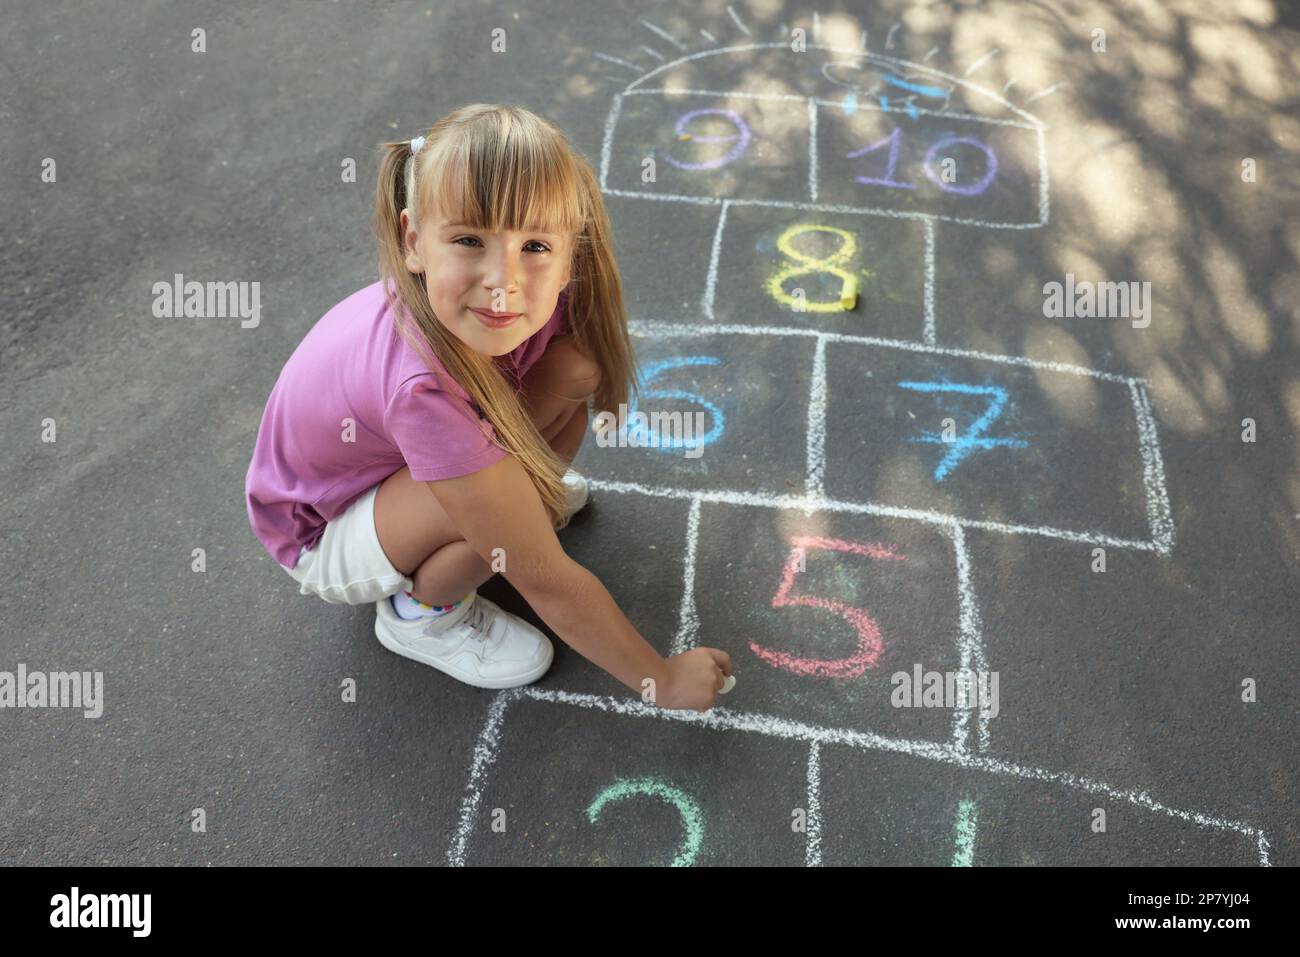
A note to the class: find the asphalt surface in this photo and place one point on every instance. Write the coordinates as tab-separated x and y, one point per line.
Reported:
1120	692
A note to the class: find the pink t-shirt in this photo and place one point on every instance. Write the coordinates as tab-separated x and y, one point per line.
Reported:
353	364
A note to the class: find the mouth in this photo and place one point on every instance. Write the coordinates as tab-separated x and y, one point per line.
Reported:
495	320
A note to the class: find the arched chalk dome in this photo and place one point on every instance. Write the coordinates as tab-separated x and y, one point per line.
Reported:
835	129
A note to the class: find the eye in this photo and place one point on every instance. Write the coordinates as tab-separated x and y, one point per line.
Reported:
532	242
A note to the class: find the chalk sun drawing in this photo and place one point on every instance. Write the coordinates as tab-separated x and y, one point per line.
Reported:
974	437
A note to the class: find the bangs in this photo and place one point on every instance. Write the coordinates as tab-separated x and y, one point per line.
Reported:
499	178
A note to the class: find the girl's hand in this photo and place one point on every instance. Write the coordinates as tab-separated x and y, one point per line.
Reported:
695	678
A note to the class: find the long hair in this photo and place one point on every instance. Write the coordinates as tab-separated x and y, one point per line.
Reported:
504	168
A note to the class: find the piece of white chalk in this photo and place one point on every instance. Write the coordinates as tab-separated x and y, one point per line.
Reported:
728	684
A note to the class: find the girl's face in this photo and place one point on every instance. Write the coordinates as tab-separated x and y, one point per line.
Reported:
470	274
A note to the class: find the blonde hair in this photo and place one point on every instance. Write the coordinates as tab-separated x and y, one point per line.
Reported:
504	168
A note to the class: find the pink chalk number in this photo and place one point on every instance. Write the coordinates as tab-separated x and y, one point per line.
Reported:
868	632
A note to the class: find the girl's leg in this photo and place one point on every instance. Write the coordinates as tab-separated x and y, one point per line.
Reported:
415	532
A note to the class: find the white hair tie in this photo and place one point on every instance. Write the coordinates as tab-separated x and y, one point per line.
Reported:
416	144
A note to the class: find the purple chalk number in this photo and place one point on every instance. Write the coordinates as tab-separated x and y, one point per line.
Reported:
895	139
742	135
975	189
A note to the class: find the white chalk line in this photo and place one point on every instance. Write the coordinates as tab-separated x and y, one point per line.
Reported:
688	621
721	719
816	445
815	207
1153	471
810	504
485	752
928	333
663	33
856	53
812	150
981	61
864	107
970	632
613	59
711	277
657	329
607	141
654	53
739	25
813	848
708	36
1044	201
1047	92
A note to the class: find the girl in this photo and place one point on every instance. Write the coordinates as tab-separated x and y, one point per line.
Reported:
417	440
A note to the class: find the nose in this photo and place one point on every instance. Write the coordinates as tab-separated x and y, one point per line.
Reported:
499	267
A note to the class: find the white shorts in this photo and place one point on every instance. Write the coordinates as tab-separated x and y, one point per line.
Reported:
348	565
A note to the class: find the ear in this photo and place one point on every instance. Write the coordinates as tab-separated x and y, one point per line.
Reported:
409	236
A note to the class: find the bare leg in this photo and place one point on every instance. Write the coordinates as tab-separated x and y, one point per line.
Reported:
417	535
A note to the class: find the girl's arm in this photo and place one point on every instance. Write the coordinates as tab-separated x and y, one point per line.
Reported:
498	508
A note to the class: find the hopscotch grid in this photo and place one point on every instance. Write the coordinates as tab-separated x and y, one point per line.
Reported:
972	651
720	719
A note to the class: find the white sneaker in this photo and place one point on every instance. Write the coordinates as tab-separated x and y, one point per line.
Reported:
575	488
477	643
